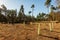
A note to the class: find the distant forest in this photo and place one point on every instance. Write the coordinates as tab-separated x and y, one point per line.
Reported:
11	16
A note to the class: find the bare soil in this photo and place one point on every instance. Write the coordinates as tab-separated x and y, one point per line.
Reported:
29	32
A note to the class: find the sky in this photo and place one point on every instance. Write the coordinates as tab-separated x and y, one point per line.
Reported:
39	5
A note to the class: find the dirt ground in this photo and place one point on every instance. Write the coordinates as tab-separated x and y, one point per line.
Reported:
29	32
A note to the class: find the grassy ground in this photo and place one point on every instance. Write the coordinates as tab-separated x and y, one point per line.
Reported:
29	32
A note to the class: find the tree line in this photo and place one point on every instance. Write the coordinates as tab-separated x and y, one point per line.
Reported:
12	16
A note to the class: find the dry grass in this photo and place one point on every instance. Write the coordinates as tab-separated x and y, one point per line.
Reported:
29	32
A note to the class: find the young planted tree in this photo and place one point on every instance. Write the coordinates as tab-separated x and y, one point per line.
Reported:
4	9
32	8
29	16
21	14
11	16
29	12
47	4
52	11
41	16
